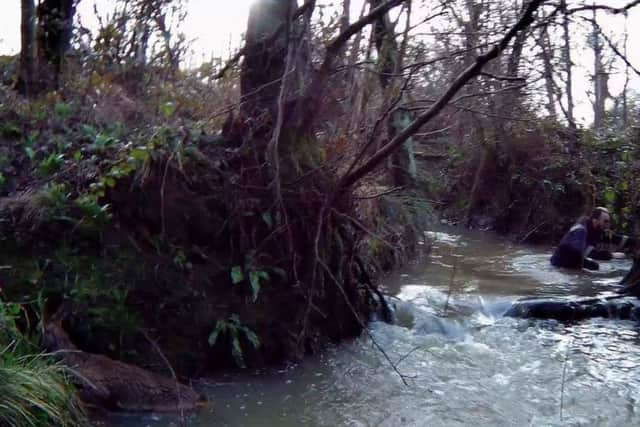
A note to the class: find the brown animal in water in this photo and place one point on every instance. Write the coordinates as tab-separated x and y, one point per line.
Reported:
115	385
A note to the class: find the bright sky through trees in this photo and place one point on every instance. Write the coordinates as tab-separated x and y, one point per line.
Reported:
214	29
217	31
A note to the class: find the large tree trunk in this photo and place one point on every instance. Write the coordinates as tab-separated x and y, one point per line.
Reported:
27	71
54	31
265	57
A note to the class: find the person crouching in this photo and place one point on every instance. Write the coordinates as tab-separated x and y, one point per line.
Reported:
584	243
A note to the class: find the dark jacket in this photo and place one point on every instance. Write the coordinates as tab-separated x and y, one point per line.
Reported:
582	244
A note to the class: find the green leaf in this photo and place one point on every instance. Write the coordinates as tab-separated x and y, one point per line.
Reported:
109	182
89	131
220	326
140	153
236	351
237	275
252	337
609	195
168	109
213	337
62	110
254	279
30	152
266	217
77	156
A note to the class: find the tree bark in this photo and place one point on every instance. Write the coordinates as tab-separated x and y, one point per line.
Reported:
27	68
54	31
265	57
566	56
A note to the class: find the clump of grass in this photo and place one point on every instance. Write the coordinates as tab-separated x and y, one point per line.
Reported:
35	392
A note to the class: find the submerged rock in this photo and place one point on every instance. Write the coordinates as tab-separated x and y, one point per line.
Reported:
567	311
624	306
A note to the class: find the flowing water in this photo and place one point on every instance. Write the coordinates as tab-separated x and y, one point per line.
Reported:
459	361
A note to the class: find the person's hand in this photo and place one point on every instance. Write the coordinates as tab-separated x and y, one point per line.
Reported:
590	264
632	246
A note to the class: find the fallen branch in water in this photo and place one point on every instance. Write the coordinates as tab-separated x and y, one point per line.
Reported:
564	375
173	372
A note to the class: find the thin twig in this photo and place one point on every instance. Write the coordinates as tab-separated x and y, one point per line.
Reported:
564	375
454	270
383	193
610	9
362	227
504	78
413	350
173	372
387	313
533	230
402	376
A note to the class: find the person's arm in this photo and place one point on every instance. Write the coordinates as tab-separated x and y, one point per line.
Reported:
620	242
576	242
590	264
600	254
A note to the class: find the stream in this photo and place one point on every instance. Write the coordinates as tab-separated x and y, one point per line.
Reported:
462	361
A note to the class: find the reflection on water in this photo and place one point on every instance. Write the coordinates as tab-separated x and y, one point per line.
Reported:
464	363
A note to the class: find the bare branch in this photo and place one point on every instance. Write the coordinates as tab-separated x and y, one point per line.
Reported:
343	37
489	92
469	73
444	57
503	78
482	113
613	10
380	194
